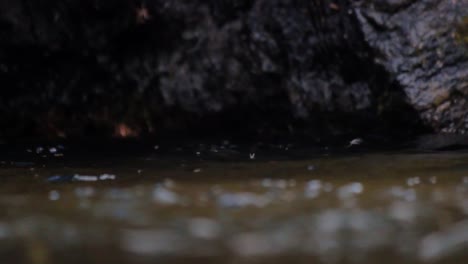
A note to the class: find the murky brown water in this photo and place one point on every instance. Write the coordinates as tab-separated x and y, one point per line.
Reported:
355	208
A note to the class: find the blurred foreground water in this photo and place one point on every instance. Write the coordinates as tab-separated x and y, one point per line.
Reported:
219	204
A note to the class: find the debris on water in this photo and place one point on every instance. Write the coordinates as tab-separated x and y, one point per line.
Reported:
447	242
164	196
310	167
433	179
355	142
197	170
139	171
252	156
54	195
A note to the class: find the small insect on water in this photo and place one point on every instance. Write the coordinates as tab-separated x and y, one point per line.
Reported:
355	142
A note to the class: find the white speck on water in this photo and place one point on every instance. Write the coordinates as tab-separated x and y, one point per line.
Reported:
156	147
310	167
54	195
52	150
139	171
39	150
104	177
197	170
252	156
355	142
85	178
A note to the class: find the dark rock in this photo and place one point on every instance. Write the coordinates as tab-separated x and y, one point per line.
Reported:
134	68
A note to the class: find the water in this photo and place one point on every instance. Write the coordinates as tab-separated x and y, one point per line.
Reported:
218	204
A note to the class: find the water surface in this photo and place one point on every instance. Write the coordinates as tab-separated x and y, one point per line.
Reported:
226	204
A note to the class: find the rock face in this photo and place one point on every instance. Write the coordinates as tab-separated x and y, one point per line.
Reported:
128	68
422	44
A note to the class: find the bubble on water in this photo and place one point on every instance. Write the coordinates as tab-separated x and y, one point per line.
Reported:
252	244
204	228
327	187
465	180
243	199
349	190
151	242
281	184
84	192
54	195
292	183
412	181
407	194
168	183
267	183
165	196
449	241
312	188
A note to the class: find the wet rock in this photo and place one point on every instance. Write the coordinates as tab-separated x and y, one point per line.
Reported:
417	43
